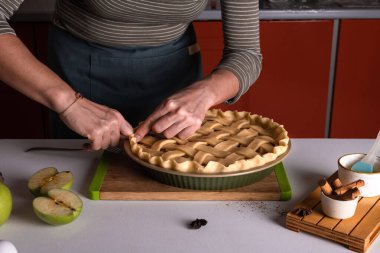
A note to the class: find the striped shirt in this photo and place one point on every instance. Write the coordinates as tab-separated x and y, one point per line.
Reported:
156	22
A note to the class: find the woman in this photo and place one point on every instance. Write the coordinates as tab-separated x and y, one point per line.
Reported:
113	64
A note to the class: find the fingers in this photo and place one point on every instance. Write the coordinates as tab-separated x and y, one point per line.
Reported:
96	140
167	114
101	125
169	121
114	127
180	114
182	129
187	132
170	125
143	129
106	140
125	128
146	126
114	139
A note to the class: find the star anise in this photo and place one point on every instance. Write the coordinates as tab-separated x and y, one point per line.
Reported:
303	211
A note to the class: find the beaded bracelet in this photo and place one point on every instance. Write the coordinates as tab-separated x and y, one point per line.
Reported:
78	97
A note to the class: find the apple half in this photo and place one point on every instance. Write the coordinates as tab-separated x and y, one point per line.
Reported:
49	178
59	207
5	201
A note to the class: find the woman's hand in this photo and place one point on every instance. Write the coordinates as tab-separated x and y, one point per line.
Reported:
102	125
22	71
182	113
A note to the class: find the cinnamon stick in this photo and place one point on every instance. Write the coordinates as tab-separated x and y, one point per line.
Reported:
325	187
348	195
337	183
343	189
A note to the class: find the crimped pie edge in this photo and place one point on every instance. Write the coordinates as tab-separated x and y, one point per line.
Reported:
213	167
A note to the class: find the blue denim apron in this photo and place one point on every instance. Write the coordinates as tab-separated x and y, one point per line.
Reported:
132	80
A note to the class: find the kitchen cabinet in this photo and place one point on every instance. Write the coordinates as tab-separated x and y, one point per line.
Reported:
356	107
41	31
210	40
21	116
41	34
293	85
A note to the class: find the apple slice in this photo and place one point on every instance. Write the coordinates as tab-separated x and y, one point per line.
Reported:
59	207
49	178
5	201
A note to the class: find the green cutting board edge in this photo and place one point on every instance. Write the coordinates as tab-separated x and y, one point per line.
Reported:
101	171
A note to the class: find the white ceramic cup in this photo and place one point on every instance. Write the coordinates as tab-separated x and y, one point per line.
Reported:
371	180
338	209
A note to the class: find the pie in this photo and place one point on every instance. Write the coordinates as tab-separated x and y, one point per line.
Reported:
227	141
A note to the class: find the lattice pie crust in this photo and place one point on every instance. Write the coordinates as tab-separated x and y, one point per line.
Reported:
226	142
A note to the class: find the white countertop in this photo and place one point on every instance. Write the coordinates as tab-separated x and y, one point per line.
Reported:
162	226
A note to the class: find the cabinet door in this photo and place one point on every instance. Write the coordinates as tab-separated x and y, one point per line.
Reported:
293	85
356	108
42	34
210	40
22	117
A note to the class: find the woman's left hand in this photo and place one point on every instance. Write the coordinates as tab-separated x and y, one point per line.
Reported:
182	113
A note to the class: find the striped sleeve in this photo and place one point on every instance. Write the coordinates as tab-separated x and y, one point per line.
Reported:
241	54
7	8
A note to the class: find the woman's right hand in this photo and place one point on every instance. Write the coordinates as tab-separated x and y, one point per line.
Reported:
102	125
19	69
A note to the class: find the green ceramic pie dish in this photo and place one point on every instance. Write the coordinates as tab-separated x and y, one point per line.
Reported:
221	181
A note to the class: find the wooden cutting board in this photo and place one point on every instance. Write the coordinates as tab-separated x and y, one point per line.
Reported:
357	232
118	177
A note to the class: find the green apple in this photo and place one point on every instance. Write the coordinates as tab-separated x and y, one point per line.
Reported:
49	178
59	207
5	201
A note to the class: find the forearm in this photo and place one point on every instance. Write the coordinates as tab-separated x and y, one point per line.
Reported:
22	71
220	86
241	54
